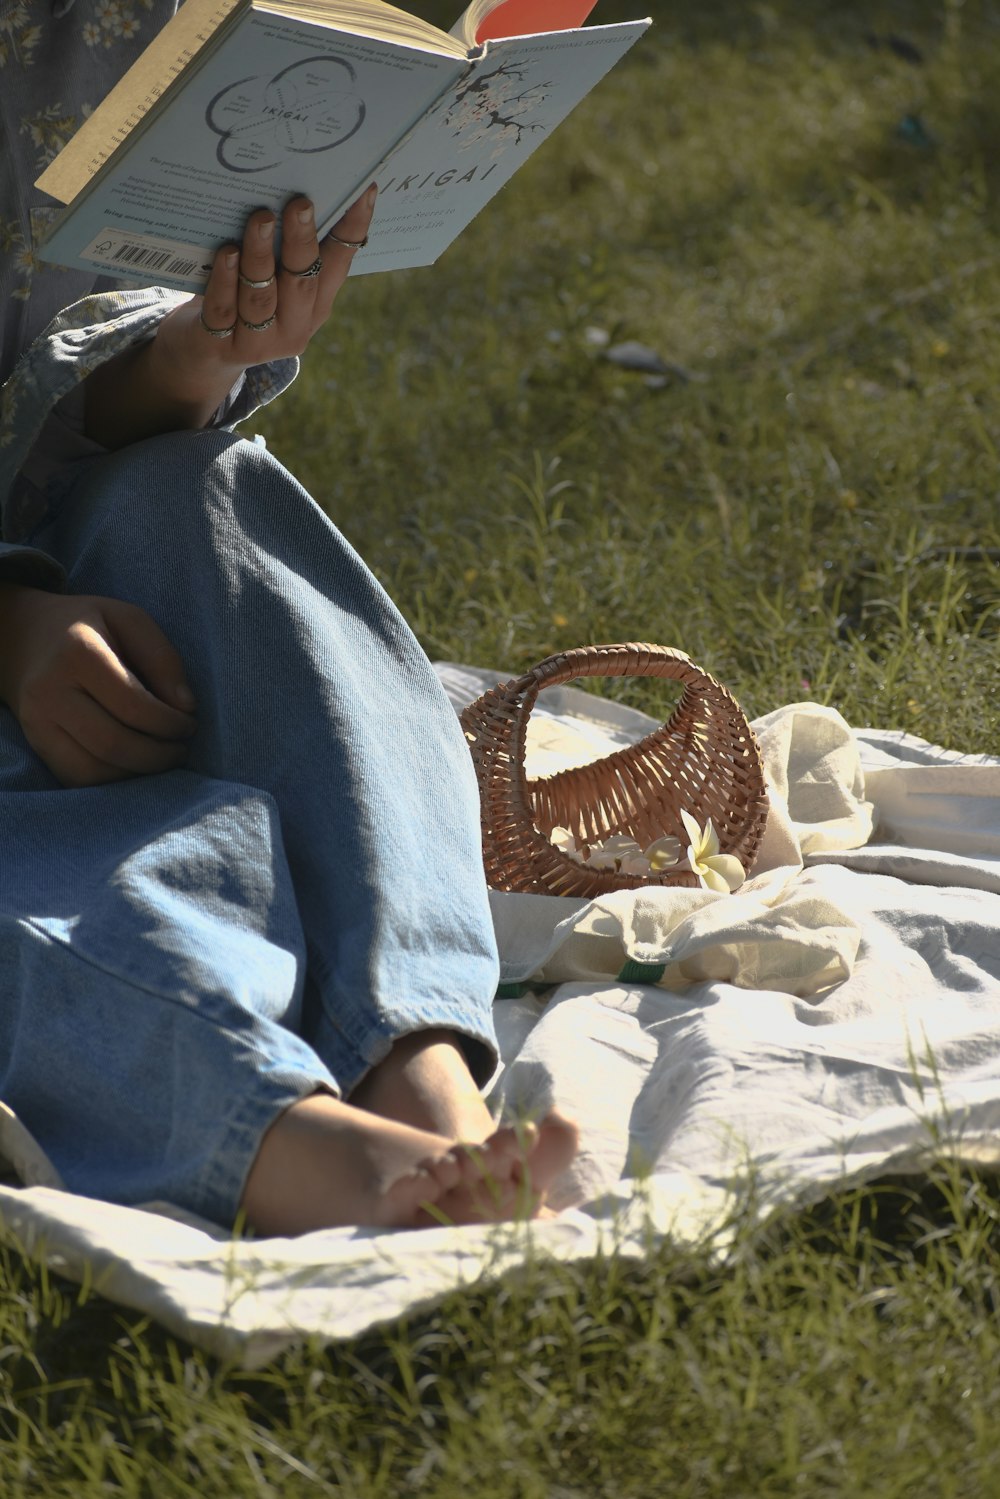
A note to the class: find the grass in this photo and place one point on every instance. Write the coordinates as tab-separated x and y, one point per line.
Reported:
742	198
796	205
851	1350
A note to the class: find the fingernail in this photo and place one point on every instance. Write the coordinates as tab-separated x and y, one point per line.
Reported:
304	215
232	258
371	195
266	231
184	697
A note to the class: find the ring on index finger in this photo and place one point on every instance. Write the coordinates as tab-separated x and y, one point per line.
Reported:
257	285
348	244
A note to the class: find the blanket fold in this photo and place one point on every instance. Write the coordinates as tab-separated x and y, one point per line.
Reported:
836	1018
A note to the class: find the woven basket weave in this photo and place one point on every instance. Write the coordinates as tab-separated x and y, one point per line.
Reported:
703	760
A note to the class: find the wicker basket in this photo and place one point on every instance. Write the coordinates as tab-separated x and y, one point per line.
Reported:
703	760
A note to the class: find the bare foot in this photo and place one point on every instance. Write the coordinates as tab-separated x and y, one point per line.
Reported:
327	1164
507	1176
425	1082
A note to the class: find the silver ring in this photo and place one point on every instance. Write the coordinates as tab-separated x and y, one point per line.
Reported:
257	285
259	327
348	244
217	332
312	270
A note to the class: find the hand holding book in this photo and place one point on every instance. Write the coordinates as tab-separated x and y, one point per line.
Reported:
241	104
269	308
255	308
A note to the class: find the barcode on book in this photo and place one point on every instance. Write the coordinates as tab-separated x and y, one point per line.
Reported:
153	258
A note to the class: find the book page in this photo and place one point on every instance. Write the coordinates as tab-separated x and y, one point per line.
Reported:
488	20
374	18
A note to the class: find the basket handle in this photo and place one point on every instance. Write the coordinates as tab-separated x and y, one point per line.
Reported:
628	660
517	854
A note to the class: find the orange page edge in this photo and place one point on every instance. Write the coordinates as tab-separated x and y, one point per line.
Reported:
533	17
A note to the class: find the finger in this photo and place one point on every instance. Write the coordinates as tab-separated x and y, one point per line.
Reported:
338	258
112	744
118	692
71	764
146	685
298	270
299	245
257	296
356	222
218	306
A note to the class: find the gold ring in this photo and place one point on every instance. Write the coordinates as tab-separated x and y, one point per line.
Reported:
259	327
312	270
257	285
348	244
217	332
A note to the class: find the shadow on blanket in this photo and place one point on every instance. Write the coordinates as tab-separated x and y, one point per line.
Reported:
835	1020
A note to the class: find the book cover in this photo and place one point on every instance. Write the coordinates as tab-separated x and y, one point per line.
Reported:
477	136
273	106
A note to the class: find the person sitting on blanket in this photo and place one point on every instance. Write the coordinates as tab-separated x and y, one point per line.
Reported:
246	957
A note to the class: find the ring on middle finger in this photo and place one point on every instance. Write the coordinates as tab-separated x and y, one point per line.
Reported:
306	275
260	327
256	285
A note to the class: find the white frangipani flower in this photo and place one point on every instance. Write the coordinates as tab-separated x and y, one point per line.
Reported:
598	858
663	853
564	841
619	854
621	845
716	871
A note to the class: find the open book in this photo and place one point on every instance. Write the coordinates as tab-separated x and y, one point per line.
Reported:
241	104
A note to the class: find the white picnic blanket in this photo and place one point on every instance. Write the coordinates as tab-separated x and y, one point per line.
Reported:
836	1018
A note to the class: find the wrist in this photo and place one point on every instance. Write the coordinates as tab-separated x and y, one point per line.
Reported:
157	387
198	385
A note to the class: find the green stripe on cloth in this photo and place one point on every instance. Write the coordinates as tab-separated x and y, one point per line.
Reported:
641	973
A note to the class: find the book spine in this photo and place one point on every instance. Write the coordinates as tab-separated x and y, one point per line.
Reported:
178	46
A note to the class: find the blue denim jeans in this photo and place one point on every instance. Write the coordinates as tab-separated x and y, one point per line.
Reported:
182	956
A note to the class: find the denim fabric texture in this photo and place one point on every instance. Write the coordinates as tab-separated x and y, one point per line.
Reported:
78	341
182	956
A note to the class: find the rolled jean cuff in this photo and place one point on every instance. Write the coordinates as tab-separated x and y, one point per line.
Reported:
351	1055
216	1192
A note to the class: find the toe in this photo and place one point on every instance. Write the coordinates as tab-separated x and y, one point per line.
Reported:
411	1201
446	1171
554	1150
508	1147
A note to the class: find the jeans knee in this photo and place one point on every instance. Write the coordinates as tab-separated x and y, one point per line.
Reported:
173	485
169	498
